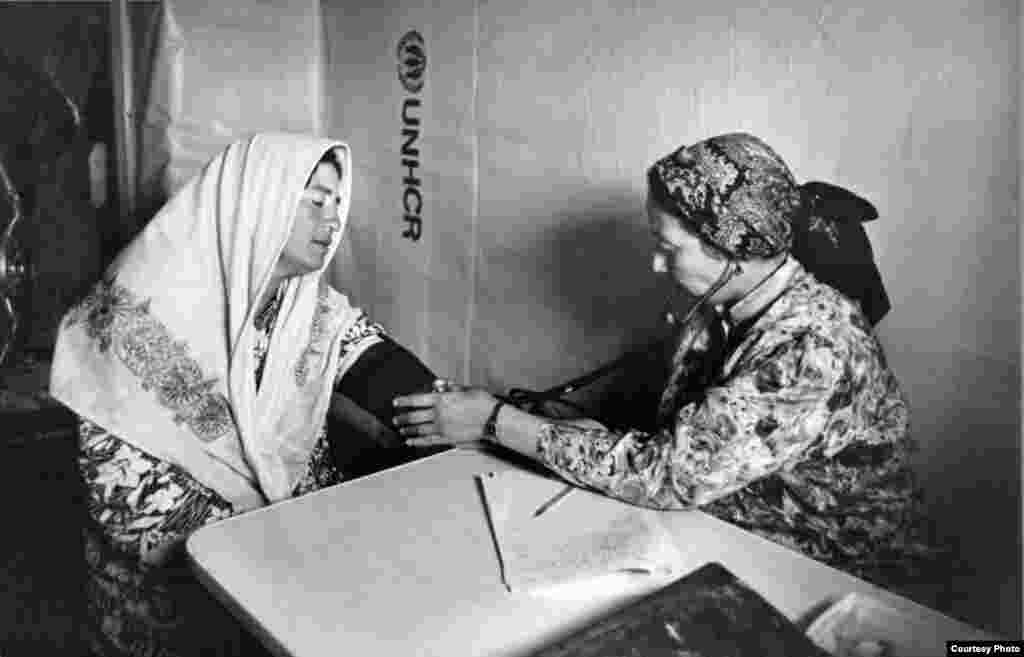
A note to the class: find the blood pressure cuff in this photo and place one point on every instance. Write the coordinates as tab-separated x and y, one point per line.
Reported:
384	371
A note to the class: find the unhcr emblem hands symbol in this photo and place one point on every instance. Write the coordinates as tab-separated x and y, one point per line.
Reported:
412	61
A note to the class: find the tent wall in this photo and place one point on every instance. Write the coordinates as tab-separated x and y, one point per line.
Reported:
220	70
532	133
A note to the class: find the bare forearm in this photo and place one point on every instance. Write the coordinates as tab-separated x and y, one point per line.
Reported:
518	430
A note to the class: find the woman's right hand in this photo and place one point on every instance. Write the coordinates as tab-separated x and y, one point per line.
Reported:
455	417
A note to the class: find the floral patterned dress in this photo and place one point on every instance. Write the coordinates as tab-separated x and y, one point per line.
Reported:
143	600
801	436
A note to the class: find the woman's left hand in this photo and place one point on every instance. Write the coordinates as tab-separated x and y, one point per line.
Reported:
456	417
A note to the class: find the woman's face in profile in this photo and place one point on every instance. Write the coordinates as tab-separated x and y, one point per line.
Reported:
316	223
680	254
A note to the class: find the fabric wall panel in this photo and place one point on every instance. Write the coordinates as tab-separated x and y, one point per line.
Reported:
419	287
223	70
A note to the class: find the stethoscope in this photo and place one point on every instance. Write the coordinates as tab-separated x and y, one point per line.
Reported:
530	400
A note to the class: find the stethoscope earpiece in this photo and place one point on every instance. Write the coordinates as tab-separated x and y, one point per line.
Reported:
732	269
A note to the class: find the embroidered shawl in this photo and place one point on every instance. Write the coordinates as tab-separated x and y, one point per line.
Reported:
161	352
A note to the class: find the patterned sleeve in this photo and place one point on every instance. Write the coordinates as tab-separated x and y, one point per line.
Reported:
765	417
146	507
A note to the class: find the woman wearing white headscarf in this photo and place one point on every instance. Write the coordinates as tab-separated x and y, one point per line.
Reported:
202	367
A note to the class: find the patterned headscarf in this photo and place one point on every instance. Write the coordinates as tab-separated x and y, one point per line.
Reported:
738	195
733	191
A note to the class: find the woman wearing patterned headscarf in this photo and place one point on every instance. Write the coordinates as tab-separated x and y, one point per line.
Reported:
780	414
203	367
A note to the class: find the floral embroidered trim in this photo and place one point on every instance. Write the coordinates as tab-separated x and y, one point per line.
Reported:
264	324
314	350
115	318
360	329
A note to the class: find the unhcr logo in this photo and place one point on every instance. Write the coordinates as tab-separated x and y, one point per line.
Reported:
412	61
412	68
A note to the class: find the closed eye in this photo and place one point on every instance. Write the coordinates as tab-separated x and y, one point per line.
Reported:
322	200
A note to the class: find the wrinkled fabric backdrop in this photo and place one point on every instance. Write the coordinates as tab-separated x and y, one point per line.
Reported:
528	142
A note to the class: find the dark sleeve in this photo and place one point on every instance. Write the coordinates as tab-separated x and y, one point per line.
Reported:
383	372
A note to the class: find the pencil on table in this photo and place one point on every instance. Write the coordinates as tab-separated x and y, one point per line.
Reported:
554	500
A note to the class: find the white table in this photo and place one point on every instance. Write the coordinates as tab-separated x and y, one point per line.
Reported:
403	563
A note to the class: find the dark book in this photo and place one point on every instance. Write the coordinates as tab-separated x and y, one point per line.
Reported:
707	613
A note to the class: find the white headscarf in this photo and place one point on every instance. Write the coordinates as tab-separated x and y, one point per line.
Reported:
161	352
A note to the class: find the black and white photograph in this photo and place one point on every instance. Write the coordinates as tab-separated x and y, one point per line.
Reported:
510	328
